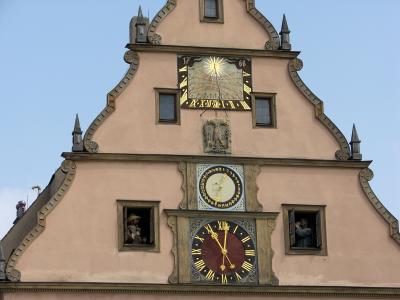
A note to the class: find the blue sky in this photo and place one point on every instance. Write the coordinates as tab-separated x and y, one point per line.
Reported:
62	57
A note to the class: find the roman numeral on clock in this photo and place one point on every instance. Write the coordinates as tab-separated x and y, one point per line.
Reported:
199	238
200	265
210	275
247	266
223	225
249	252
196	251
234	231
224	279
246	239
238	276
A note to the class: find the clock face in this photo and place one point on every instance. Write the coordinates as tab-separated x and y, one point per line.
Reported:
220	187
223	252
213	82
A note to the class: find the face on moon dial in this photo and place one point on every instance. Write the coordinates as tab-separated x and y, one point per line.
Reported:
220	187
223	252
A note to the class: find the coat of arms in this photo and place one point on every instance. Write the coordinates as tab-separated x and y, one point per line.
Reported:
217	137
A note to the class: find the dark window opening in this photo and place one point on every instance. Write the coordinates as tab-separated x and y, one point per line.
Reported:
263	112
305	230
167	108
139	226
211	9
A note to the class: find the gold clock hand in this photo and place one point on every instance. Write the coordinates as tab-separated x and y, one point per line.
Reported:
226	229
224	252
214	235
231	265
222	267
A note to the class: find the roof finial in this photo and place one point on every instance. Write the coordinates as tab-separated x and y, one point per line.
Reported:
21	209
285	35
140	13
141	27
2	265
355	145
77	142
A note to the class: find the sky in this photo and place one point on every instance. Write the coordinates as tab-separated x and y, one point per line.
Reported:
58	58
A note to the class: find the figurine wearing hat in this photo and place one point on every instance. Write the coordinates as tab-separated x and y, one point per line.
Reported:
134	234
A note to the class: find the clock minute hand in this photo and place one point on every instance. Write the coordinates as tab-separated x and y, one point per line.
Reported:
231	265
222	267
224	252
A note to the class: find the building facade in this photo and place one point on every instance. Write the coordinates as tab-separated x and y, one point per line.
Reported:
212	171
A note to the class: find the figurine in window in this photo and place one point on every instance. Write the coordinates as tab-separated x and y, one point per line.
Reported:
303	234
134	234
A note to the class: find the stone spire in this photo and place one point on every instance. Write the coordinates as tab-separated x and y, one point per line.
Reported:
21	208
77	142
141	30
2	265
355	145
285	35
140	18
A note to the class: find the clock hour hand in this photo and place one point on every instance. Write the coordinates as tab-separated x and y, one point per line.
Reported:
224	251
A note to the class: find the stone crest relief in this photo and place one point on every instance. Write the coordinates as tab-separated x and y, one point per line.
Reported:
217	136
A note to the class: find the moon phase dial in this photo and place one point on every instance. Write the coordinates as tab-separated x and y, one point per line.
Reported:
220	187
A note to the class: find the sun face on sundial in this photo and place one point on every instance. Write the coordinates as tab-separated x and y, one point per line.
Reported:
215	66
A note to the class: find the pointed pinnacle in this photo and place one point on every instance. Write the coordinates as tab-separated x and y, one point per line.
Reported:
285	27
77	127
354	135
140	13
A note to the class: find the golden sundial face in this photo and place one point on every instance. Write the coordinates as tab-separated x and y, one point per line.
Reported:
213	82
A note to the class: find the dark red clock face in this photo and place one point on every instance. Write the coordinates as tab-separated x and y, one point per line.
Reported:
223	252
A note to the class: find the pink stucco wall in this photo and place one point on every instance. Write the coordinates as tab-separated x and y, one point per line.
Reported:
298	135
80	240
240	29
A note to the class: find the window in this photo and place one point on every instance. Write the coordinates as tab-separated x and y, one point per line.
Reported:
167	109
264	110
138	225
305	231
211	8
211	11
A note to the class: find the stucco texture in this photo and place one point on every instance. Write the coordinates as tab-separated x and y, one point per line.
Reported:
132	127
360	249
80	243
240	30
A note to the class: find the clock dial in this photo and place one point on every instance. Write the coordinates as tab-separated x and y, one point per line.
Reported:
223	252
213	82
220	187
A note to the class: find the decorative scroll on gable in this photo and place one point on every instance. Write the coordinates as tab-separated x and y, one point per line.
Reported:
296	65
